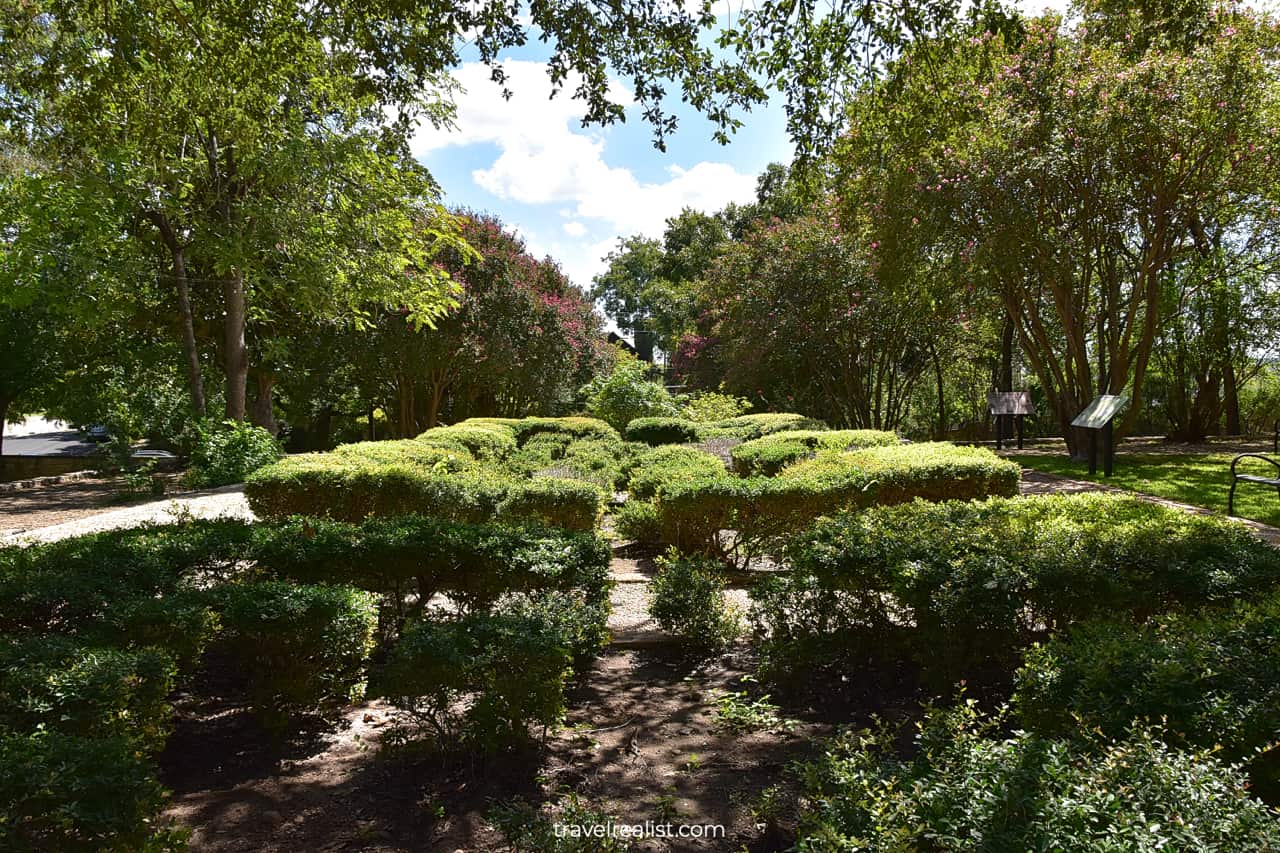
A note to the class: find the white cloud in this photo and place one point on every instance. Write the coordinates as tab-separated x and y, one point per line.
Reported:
546	157
575	229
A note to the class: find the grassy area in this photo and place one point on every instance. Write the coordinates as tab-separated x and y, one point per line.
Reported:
1199	479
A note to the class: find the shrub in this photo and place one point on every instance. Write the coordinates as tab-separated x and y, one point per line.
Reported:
572	504
579	428
328	486
57	684
966	584
687	599
472	564
626	394
753	426
653	469
967	788
767	455
483	441
182	623
637	520
514	666
228	452
410	451
298	647
597	461
69	585
67	793
655	431
1209	677
711	406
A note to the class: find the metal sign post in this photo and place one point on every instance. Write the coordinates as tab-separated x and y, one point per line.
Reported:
1008	406
1098	417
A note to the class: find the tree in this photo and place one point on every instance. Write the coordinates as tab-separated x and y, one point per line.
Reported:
27	361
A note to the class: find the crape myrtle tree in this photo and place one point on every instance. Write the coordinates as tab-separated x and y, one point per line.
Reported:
1077	169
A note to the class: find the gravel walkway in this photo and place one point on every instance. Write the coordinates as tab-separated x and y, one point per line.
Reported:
228	501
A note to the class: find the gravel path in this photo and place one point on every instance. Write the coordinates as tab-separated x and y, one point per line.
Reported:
228	501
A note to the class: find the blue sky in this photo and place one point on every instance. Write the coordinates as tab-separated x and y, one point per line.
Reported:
570	191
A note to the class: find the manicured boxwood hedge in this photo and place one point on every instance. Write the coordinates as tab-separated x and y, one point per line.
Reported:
767	455
747	427
650	471
761	510
655	431
1209	677
960	586
489	441
970	785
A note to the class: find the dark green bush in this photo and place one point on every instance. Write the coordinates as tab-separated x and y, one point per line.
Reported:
597	461
182	623
1209	677
72	794
572	504
648	472
747	427
472	564
512	666
656	431
580	428
298	647
489	441
967	584
970	788
229	451
69	585
769	454
687	600
638	521
57	684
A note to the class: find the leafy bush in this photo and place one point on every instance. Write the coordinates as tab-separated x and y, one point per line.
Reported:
329	486
567	827
967	788
769	454
764	510
578	428
657	431
637	520
626	394
748	427
411	451
597	461
67	793
69	585
182	623
59	685
488	441
965	584
472	564
572	504
1210	677
711	406
228	452
653	469
687	599
514	666
299	647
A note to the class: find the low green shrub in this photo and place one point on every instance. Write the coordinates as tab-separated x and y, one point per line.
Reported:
687	600
764	510
59	685
648	472
1209	677
512	666
970	788
472	564
410	451
747	427
578	428
329	486
489	441
298	647
227	452
597	461
971	584
572	504
769	454
638	521
69	585
712	406
79	795
181	622
656	431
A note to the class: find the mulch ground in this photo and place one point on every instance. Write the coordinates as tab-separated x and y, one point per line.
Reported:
56	503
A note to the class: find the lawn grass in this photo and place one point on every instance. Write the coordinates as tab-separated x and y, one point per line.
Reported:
1199	479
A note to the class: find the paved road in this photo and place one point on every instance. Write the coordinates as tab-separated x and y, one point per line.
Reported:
65	443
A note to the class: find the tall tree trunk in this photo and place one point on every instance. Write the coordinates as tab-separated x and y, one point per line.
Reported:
195	377
263	413
1005	379
237	351
4	418
942	398
1231	397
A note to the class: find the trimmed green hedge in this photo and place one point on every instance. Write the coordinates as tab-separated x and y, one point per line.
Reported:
767	455
526	428
747	427
72	794
969	786
687	600
969	584
489	441
408	451
298	647
1209	677
765	509
656	431
649	472
571	504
